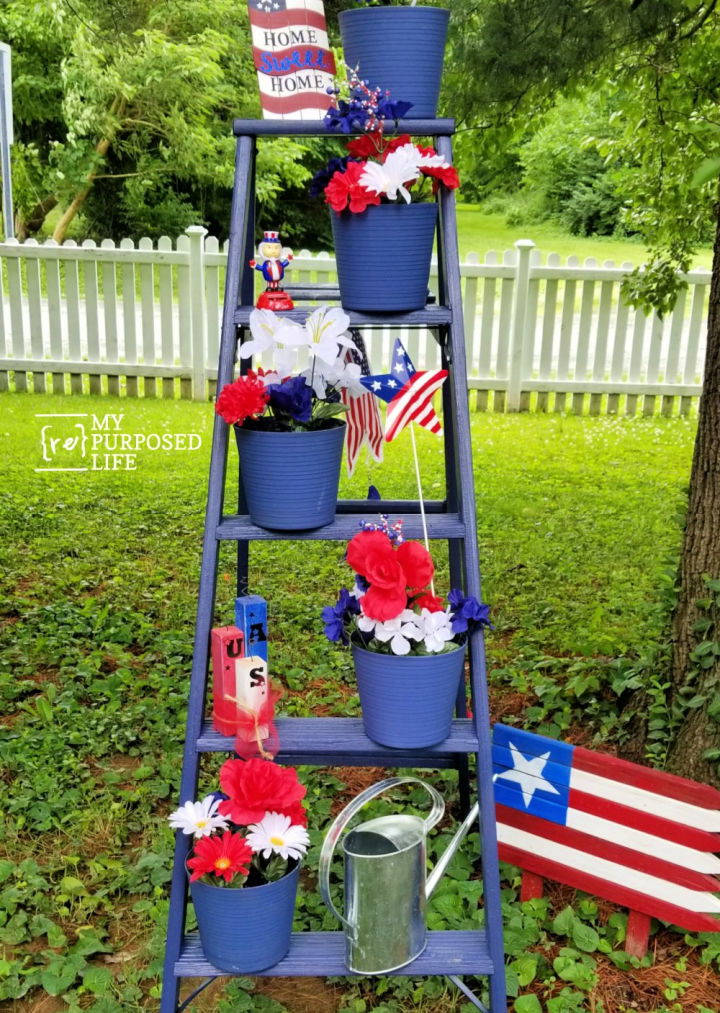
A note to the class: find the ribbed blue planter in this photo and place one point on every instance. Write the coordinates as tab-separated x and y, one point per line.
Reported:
399	49
247	929
383	255
291	479
407	701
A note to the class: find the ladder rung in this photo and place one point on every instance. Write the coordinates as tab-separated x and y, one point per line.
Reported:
323	953
431	316
239	527
317	128
320	741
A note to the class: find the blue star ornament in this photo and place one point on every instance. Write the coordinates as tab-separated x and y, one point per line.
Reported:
408	393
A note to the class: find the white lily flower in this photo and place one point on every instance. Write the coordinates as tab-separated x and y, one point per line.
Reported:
276	834
325	329
264	325
436	629
339	374
401	166
198	818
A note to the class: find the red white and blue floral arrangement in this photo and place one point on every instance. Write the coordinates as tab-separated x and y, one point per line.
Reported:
392	607
307	368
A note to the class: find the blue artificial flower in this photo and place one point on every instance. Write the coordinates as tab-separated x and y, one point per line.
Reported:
467	614
388	110
321	178
293	397
337	616
346	117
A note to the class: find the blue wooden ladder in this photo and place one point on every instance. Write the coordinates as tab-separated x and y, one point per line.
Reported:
341	741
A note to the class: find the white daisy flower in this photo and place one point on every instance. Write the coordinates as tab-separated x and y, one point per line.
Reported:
276	834
198	818
436	629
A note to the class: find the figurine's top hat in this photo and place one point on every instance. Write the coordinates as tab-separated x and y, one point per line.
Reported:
271	237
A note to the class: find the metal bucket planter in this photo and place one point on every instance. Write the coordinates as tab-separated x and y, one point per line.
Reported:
247	929
399	49
290	479
383	254
408	701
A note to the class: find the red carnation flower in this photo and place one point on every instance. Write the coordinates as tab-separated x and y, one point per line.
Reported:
382	569
395	142
259	786
363	543
344	190
245	398
417	564
447	175
226	855
431	602
381	604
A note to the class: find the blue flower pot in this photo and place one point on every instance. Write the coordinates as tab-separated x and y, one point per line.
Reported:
383	254
291	480
399	49
246	929
408	700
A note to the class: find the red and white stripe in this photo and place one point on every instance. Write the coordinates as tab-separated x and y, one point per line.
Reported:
301	94
637	837
364	425
414	403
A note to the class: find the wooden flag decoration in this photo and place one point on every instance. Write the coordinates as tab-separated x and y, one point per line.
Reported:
251	618
291	52
227	646
634	836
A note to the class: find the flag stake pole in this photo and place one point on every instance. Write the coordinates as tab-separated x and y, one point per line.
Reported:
420	495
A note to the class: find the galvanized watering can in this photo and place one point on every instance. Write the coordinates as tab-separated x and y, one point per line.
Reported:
385	885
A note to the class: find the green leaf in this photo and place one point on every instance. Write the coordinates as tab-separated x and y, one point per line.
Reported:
71	885
585	937
564	922
525	968
707	170
527	1004
97	980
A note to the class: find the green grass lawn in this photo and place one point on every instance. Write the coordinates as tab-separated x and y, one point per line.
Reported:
480	232
578	519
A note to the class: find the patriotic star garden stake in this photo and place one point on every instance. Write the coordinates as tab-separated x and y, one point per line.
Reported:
408	393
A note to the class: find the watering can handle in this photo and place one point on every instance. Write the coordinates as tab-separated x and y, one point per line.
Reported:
342	820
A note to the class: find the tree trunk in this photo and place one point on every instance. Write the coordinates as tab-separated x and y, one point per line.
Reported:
28	226
102	148
700	558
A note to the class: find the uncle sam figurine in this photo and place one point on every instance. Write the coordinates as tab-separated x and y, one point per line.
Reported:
271	262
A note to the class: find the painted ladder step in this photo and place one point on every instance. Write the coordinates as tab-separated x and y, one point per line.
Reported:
323	953
319	741
239	527
431	316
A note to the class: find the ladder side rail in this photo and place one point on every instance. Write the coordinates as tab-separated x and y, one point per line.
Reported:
246	298
488	832
208	580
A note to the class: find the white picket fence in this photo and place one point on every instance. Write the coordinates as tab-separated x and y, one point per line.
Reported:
146	319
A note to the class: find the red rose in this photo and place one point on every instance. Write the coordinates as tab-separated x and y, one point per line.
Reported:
382	569
417	564
363	543
344	190
245	398
366	145
431	602
381	603
259	786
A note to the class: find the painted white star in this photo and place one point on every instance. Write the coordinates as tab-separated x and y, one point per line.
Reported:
392	383
398	368
377	386
527	772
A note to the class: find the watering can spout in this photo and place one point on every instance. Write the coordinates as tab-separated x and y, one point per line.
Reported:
450	852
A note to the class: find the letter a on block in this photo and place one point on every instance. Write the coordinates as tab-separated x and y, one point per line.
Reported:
277	27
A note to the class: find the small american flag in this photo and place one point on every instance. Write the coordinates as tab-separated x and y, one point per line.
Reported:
364	424
637	837
408	392
292	56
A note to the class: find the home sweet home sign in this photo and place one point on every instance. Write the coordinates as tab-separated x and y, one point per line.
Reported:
294	64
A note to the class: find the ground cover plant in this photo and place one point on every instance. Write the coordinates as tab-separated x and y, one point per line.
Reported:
579	524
